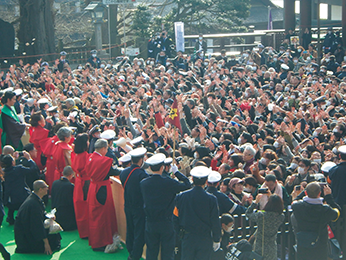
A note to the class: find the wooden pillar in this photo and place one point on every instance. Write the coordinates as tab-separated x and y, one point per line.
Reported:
290	16
344	22
305	17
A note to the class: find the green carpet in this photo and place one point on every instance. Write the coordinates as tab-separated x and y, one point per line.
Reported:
72	247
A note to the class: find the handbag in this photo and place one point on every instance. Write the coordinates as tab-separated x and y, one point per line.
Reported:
334	250
307	239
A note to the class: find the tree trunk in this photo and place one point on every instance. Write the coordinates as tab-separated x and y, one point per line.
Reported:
36	31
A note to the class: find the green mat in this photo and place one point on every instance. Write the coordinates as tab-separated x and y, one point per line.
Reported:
72	247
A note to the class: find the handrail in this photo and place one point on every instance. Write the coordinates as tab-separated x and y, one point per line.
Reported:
244	229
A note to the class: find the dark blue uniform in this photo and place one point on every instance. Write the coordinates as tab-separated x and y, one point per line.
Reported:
135	217
15	188
158	194
199	220
338	177
225	204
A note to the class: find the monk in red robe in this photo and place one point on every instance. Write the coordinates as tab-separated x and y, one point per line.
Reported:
38	133
102	219
48	146
82	182
62	151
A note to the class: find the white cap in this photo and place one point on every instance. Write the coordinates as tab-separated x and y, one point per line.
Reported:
327	166
342	149
137	140
108	134
156	159
138	152
284	66
42	101
125	158
8	89
168	160
52	108
200	172
120	142
214	176
18	91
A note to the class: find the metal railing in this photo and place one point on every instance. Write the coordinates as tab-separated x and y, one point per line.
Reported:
244	229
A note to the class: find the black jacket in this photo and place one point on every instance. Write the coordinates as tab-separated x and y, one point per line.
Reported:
314	218
62	200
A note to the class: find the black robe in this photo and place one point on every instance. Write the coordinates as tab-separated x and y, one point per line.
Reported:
62	200
29	230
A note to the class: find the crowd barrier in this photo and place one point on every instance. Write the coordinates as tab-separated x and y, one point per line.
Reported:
243	228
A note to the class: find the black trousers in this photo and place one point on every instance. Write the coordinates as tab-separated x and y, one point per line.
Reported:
135	227
195	247
160	234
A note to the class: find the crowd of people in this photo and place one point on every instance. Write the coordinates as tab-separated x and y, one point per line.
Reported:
256	133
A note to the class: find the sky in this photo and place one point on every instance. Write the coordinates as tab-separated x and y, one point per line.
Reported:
323	10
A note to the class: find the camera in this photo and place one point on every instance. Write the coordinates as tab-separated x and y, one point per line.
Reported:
297	187
263	190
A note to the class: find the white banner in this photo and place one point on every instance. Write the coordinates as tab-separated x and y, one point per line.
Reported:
179	36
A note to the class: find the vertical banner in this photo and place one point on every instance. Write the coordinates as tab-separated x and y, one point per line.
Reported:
179	36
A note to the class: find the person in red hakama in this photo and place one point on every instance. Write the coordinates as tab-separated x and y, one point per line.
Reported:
38	133
102	219
82	182
62	151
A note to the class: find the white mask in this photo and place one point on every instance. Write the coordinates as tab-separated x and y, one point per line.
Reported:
301	170
239	140
275	59
276	145
80	67
195	155
318	160
206	63
263	161
334	150
139	63
245	55
152	63
229	229
102	66
248	190
94	55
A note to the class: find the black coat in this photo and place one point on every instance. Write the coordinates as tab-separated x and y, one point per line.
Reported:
314	218
34	173
29	231
15	187
62	200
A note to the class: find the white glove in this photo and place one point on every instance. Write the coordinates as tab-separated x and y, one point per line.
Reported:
174	168
216	246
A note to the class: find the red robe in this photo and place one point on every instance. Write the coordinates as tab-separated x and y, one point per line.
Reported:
38	133
59	158
81	207
102	219
48	146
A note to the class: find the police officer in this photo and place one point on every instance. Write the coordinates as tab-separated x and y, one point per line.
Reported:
198	215
167	170
62	61
125	160
338	177
94	61
109	135
158	195
94	134
225	204
135	217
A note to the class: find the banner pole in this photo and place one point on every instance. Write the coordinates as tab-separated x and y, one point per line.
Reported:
174	134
